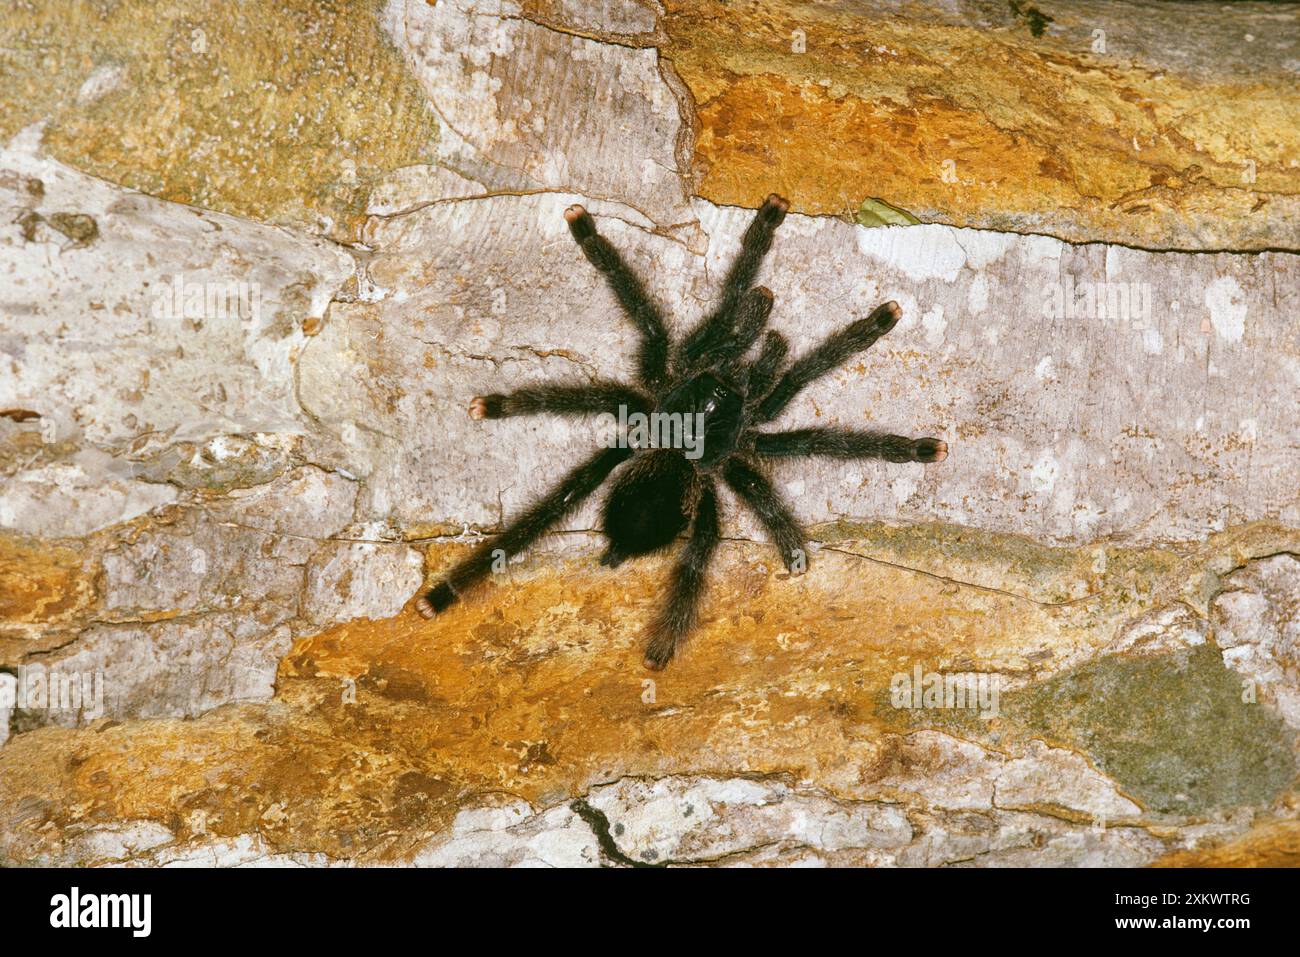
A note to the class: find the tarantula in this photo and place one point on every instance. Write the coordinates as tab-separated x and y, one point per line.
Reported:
662	491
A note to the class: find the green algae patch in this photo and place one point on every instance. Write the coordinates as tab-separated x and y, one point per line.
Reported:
1172	730
876	212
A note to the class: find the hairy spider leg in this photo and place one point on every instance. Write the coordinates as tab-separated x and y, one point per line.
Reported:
726	343
652	358
834	351
560	399
763	372
754	245
755	490
524	530
676	618
850	444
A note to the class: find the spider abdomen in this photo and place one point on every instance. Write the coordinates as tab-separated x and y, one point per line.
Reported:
649	505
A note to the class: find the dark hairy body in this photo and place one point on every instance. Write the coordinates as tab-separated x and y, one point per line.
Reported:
659	493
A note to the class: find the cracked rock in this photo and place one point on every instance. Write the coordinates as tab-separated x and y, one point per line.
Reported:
180	668
361	580
207	315
1122	122
238	337
1162	631
684	821
524	107
949	773
513	835
1257	624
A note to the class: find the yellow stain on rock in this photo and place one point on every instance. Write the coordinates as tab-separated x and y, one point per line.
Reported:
40	586
282	111
532	687
989	127
1269	844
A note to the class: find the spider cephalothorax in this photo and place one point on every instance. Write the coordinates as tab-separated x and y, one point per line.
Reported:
705	381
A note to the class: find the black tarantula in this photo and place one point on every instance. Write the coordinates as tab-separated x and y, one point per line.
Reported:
662	491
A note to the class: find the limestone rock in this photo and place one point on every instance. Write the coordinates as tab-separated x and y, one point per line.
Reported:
1162	631
1257	619
671	820
283	112
1121	122
1156	436
349	580
514	836
256	259
523	107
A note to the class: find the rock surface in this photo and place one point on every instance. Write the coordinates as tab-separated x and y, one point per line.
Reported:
233	440
1089	120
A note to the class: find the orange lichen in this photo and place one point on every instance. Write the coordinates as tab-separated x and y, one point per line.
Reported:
381	731
981	126
1269	844
40	584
